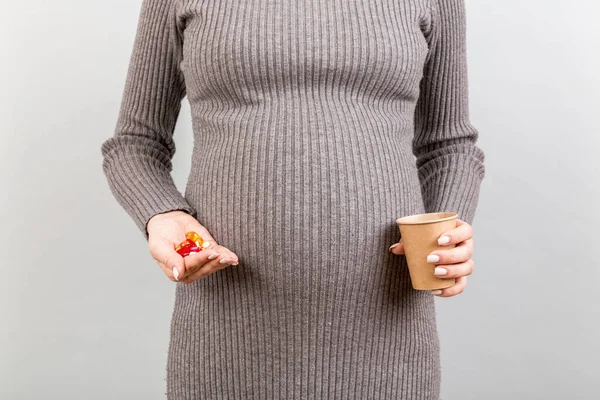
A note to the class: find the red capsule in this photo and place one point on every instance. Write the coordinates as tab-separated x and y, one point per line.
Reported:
186	247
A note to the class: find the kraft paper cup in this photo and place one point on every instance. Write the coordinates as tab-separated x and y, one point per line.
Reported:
420	233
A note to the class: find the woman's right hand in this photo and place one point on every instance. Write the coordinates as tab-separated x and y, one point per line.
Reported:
167	230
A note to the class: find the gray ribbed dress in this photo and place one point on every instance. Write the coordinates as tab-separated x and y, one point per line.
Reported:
307	117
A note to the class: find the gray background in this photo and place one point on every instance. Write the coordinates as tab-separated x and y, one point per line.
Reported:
85	311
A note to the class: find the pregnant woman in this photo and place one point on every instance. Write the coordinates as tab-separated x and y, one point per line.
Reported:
316	125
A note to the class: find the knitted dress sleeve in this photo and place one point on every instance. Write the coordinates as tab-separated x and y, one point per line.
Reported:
450	164
137	158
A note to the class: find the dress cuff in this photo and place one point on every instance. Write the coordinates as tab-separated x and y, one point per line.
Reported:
142	184
451	182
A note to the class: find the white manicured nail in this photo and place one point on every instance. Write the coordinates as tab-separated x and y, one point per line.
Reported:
176	273
205	244
213	256
444	240
394	245
438	291
225	261
432	258
440	271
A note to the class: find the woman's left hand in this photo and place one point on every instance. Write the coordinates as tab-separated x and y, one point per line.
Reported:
454	262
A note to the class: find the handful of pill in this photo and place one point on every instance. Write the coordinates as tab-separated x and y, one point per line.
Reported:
191	245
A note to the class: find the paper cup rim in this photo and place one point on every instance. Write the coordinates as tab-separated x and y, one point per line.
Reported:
409	219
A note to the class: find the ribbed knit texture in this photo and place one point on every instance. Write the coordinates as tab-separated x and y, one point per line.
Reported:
307	118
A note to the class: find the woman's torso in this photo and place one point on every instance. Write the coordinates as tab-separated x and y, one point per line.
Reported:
303	117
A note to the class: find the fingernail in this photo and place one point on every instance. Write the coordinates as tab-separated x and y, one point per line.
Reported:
444	239
440	271
213	255
235	263
394	245
438	291
206	244
225	261
176	273
432	258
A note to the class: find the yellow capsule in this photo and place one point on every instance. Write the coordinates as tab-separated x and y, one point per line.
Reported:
194	237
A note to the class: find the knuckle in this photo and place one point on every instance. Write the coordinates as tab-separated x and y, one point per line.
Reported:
451	272
465	253
454	258
192	266
170	262
468	268
470	251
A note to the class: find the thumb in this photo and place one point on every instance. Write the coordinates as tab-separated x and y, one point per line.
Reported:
397	248
164	252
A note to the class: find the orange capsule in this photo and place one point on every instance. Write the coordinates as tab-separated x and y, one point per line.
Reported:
194	237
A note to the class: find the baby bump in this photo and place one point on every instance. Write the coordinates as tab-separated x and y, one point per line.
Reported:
292	211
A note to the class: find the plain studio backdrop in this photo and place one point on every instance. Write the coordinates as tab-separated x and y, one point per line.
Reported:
85	311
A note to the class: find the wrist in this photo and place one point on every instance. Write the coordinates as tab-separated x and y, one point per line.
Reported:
167	214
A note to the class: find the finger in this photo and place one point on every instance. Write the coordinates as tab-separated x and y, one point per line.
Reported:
164	252
460	233
226	255
455	270
460	253
195	260
453	290
207	269
397	248
167	271
225	259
